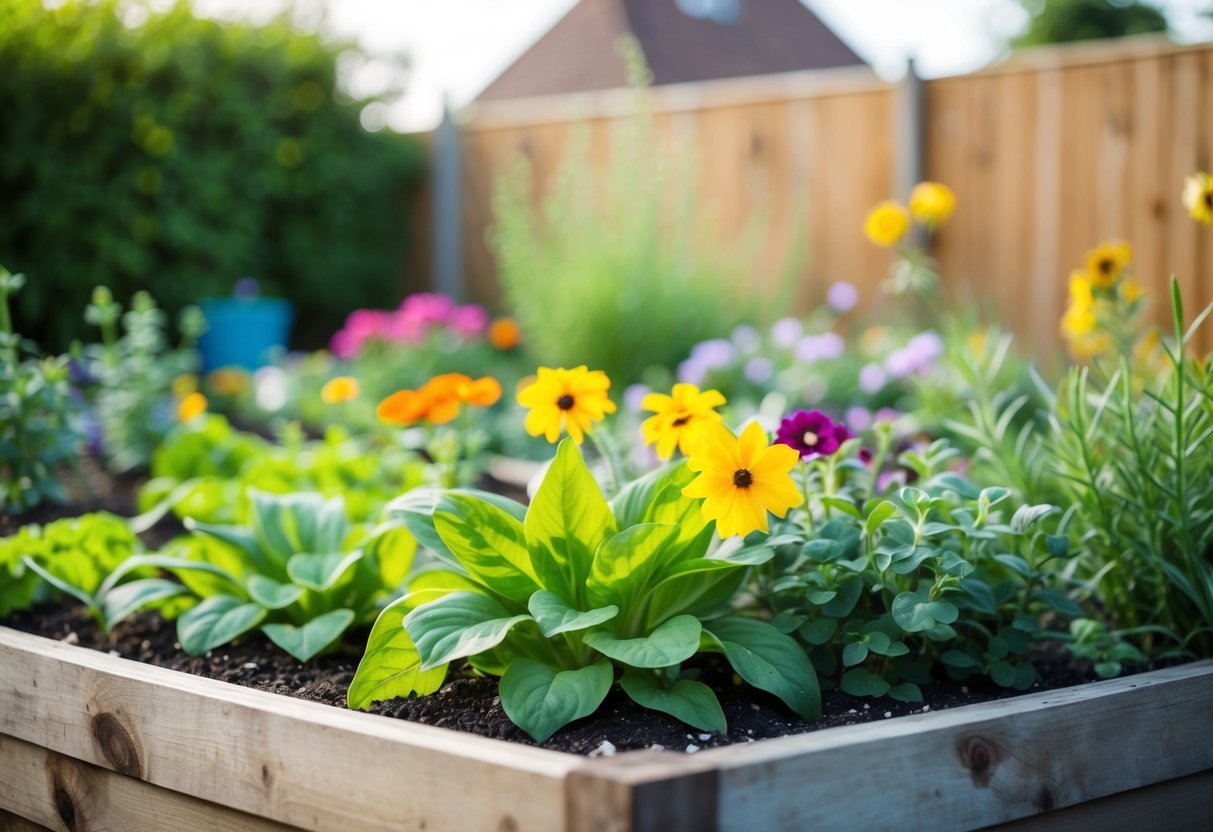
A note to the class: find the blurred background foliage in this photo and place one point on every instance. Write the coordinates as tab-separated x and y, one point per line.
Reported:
179	155
1061	21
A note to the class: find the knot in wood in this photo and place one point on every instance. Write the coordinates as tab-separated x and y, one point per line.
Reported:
980	757
64	806
116	744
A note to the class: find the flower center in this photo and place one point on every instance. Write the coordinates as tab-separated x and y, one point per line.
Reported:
809	438
1105	266
1209	199
681	420
742	478
565	402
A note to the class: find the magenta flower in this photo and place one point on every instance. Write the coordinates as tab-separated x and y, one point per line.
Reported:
469	320
812	433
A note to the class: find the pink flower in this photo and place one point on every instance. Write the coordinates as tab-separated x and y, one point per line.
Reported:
469	320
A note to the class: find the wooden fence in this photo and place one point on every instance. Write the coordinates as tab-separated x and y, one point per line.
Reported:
1048	153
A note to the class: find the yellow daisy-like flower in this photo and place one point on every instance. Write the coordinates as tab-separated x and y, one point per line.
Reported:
1198	197
932	203
570	400
741	479
1131	290
1078	321
887	223
340	389
1089	346
679	418
1080	288
1107	262
191	407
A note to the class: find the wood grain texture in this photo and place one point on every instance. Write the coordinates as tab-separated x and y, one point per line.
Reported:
975	766
52	791
643	791
299	763
1181	805
15	823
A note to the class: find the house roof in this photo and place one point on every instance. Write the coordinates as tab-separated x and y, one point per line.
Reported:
682	41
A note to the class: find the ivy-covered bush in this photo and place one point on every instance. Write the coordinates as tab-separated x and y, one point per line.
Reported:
179	155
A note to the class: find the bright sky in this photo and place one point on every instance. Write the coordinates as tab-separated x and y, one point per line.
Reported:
455	47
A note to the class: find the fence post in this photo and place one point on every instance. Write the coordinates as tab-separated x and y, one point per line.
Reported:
909	156
445	183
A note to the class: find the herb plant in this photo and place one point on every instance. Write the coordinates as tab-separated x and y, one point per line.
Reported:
38	429
557	597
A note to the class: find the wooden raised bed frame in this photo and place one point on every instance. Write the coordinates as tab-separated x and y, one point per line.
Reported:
90	741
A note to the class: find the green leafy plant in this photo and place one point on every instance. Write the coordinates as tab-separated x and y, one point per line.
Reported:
134	374
73	556
635	273
299	570
206	469
891	591
38	429
557	597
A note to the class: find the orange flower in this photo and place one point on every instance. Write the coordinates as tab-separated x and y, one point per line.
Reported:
504	334
191	407
439	399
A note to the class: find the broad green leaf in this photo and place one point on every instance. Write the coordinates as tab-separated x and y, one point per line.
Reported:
393	551
698	587
692	702
854	653
307	641
566	522
915	612
176	565
391	665
876	517
216	621
860	681
123	600
674	641
322	570
819	630
554	615
541	699
627	563
443	580
270	594
1016	564
458	625
658	498
849	590
489	543
770	661
906	692
1059	601
238	536
58	583
416	510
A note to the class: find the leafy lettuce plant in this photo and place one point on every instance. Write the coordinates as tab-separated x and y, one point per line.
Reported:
889	591
559	597
299	570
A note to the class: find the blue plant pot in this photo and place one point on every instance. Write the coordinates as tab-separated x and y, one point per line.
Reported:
244	332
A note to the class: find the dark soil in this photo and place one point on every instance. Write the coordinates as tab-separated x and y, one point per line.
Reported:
470	703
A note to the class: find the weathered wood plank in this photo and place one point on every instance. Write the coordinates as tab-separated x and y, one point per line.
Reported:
56	792
15	823
978	765
1181	805
643	791
300	763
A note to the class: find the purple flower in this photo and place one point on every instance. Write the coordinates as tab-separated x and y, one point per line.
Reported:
842	296
887	414
812	433
758	370
692	371
859	417
786	331
812	348
714	353
871	378
747	338
633	396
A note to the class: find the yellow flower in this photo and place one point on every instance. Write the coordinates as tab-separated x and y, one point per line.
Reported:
228	381
1089	346
1131	290
1078	321
1198	197
340	389
887	223
932	203
571	400
680	417
1080	288
740	480
191	407
184	384
1107	262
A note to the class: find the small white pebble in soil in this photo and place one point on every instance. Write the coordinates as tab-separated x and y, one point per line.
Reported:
656	747
691	749
888	714
704	737
176	645
225	658
249	666
852	711
115	653
71	638
606	748
145	645
755	706
867	707
964	689
749	730
926	708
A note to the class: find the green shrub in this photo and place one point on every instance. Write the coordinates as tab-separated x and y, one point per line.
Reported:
182	154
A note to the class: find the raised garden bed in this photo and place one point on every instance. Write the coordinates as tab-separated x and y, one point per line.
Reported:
90	741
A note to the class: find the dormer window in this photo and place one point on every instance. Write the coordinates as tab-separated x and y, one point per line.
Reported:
720	11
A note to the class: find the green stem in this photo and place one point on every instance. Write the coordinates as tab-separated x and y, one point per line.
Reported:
808	510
